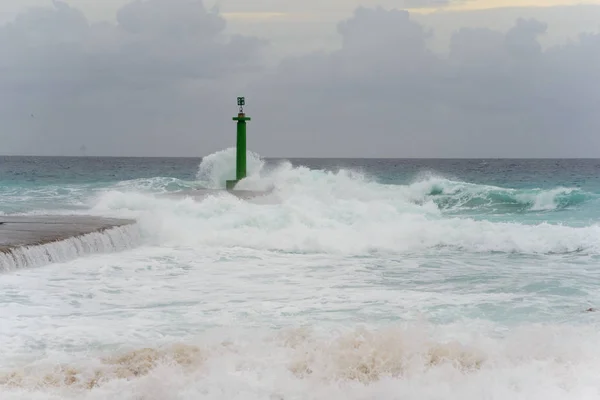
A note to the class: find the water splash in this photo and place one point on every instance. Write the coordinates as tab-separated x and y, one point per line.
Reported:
219	167
350	213
105	241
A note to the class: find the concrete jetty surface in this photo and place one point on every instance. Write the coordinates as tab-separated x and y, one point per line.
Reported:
27	241
32	241
17	231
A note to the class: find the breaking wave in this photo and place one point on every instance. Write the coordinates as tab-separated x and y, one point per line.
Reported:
454	195
215	169
348	212
394	362
155	185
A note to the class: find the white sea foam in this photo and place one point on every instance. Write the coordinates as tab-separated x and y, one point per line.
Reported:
391	363
340	212
262	299
345	226
215	169
154	185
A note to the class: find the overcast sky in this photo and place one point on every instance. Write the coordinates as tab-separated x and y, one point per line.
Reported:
338	78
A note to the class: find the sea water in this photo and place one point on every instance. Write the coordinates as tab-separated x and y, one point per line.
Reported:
351	279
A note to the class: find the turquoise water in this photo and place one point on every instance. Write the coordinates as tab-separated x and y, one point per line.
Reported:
353	279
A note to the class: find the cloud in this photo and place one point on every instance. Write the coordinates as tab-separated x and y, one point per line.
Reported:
407	4
384	93
163	78
116	83
153	40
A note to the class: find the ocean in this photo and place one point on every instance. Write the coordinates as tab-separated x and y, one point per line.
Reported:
352	279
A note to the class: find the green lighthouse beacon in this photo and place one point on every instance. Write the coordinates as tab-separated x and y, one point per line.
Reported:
240	160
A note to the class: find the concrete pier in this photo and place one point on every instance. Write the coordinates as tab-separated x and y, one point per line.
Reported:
29	241
21	235
17	231
33	241
25	231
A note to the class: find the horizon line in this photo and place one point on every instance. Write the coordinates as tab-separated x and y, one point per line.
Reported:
310	158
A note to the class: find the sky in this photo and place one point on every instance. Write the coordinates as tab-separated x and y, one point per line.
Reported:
336	78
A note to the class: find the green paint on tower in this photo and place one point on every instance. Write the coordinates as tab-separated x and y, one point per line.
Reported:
240	166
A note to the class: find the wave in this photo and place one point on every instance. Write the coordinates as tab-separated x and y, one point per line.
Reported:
456	195
106	241
346	227
215	169
395	362
20	199
344	212
156	185
446	194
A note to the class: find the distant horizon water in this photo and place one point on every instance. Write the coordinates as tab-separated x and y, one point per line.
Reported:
353	279
304	157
